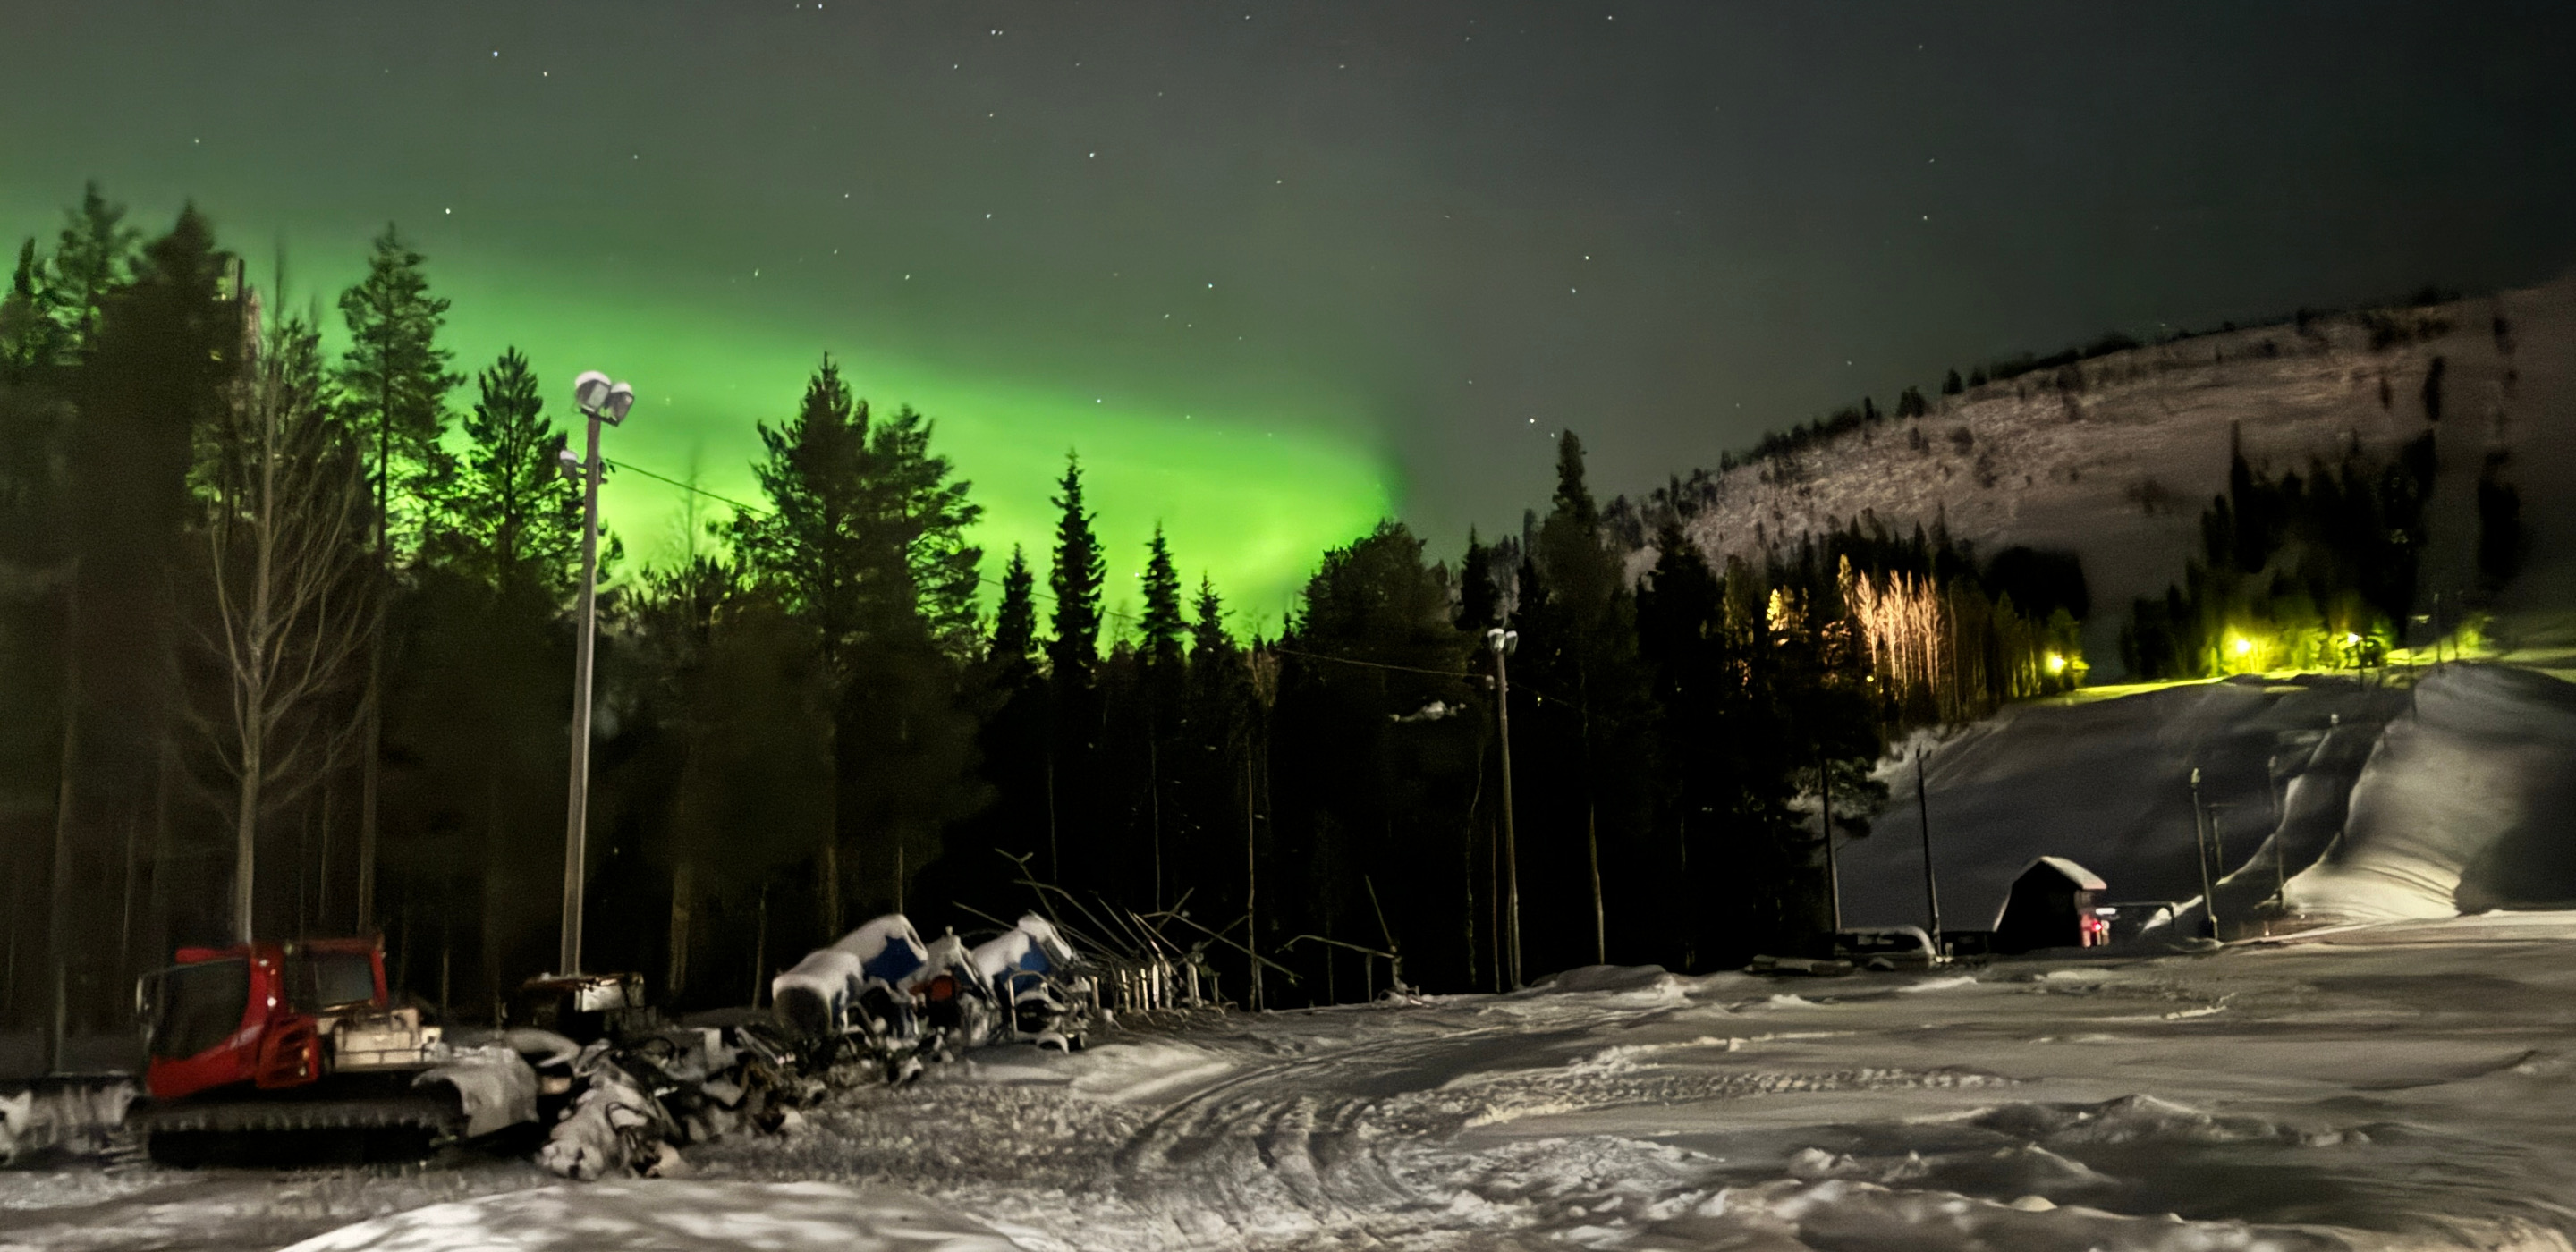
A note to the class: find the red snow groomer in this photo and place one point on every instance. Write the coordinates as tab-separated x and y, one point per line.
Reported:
278	1052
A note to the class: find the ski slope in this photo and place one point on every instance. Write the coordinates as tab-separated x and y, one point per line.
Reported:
2447	792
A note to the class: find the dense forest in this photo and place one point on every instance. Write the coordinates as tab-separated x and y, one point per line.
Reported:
288	650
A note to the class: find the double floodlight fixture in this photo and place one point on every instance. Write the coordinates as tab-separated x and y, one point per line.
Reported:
1503	641
601	399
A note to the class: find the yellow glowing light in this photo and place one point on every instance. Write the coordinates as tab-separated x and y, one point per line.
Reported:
2240	645
2056	663
2350	639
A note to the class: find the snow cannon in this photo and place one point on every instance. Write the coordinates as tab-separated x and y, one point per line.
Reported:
955	998
814	997
853	996
285	1053
1032	970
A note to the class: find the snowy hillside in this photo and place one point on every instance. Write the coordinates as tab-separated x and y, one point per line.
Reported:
2114	457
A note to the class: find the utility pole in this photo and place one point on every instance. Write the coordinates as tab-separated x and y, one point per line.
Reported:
2200	842
1251	880
1931	886
1501	642
600	401
1833	870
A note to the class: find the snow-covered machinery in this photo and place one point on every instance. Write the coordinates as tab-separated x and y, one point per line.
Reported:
1045	989
284	1051
855	997
957	1002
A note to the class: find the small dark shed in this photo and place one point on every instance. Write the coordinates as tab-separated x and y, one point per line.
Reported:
2051	906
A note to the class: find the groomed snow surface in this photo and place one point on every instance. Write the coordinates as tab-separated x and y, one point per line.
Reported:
2402	1085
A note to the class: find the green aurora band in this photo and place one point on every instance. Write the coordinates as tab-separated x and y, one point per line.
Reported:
1251	500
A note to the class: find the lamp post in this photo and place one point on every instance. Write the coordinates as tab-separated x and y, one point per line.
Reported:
2200	842
600	401
1501	643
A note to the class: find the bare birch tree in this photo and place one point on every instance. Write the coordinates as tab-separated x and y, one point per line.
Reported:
293	609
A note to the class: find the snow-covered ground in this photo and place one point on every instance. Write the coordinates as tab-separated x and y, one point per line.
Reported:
2402	1085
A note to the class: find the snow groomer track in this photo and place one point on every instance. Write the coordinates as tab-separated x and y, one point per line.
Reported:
2392	1086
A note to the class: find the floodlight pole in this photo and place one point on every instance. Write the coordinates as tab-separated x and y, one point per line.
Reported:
598	402
577	818
1500	641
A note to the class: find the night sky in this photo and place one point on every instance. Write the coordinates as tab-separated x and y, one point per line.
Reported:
1278	270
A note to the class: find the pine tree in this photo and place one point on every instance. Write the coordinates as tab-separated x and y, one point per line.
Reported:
394	382
1162	626
1951	386
1076	579
511	515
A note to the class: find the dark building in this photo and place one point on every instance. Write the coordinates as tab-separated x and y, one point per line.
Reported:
2050	906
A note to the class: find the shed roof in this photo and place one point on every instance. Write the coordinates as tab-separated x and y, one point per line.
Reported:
2083	879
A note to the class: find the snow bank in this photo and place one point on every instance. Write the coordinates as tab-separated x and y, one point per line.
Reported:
2464	805
698	1216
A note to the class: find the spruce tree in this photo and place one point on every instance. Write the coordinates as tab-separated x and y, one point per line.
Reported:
864	545
1480	605
1951	386
95	254
1581	644
921	514
1015	618
161	368
1076	580
1163	625
1209	643
30	339
808	547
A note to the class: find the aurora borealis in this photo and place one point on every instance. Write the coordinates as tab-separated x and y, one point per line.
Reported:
1280	270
